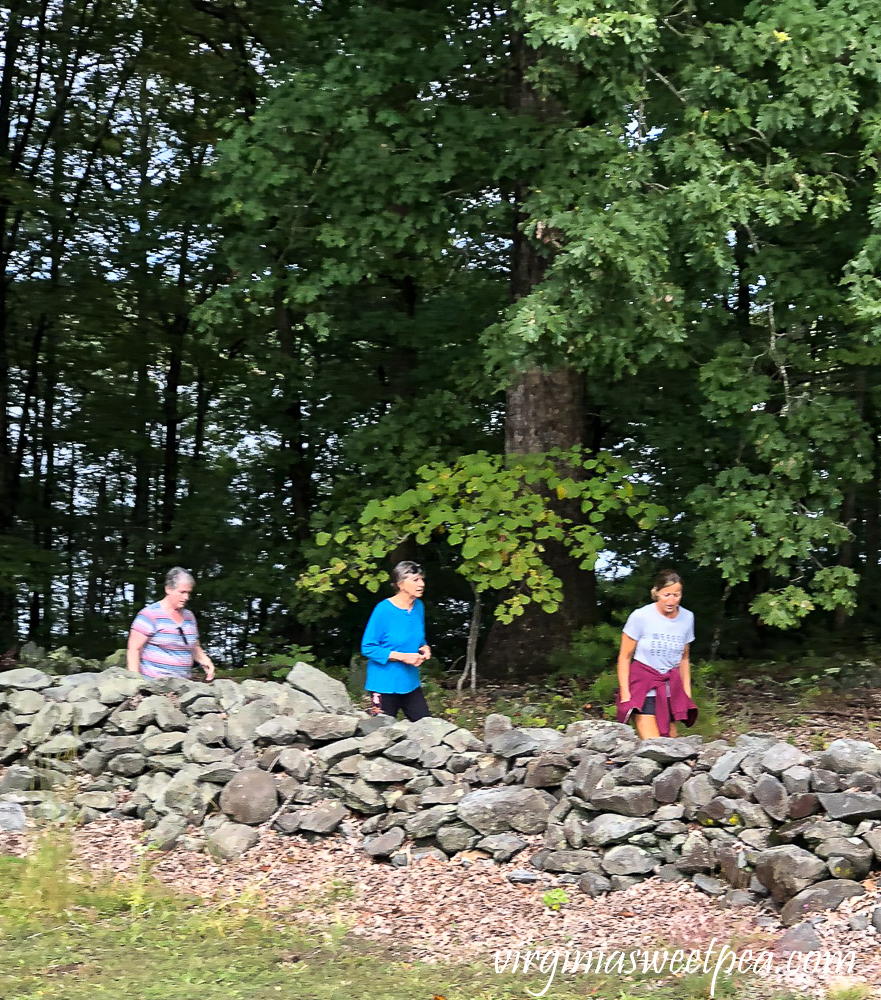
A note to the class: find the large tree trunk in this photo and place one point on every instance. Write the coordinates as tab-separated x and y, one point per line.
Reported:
545	410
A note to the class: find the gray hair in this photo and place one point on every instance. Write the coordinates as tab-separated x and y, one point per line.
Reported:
403	570
177	574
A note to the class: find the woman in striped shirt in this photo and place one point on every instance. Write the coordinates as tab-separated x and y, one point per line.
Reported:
164	638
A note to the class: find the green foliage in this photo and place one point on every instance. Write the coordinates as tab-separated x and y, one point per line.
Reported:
593	649
499	517
555	899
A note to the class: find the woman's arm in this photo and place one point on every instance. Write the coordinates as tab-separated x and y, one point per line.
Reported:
204	661
136	641
685	671
625	658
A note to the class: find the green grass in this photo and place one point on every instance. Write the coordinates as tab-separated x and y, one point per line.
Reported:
64	938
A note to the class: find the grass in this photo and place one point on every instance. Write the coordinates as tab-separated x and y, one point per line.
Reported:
65	937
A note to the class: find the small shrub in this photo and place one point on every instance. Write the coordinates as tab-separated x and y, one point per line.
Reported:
554	899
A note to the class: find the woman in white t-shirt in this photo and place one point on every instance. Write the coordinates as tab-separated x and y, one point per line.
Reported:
654	672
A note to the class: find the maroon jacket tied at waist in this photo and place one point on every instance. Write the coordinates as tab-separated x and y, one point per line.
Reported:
643	679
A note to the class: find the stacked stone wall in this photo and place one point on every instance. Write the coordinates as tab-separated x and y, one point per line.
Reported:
206	765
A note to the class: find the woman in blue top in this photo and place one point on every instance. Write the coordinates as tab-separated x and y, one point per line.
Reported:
395	647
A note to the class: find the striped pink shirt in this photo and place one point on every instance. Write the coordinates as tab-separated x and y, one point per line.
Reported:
168	651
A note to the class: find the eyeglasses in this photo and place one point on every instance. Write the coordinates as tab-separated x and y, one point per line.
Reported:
183	636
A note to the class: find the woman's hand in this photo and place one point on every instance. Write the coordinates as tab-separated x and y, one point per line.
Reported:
425	652
411	659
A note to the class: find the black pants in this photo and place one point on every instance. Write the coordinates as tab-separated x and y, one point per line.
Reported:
413	705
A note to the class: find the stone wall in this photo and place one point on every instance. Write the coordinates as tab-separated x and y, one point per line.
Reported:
207	765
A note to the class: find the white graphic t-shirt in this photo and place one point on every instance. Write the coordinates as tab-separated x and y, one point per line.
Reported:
660	641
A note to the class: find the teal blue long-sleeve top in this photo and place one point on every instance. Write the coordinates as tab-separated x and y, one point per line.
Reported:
393	630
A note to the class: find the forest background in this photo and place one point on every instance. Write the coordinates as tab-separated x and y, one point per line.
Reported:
499	288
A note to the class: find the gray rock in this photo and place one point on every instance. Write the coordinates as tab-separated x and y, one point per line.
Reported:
358	795
786	871
12	817
243	721
101	801
846	756
19	778
546	771
167	832
803	804
801	938
25	702
610	828
322	818
696	855
406	752
587	775
852	806
822	896
280	731
781	757
731	814
498	810
571	862
385	844
162	742
381	771
502	846
667	785
231	840
114	687
796	779
210	731
629	800
513	743
442	795
697	792
64	744
26	679
454	837
128	764
640	771
295	762
433	758
330	693
89	712
625	859
593	884
426	822
494	725
462	741
430	731
381	739
324	727
726	765
250	798
667	750
335	752
825	781
711	886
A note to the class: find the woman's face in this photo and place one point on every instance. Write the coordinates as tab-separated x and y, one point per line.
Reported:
179	595
412	586
669	598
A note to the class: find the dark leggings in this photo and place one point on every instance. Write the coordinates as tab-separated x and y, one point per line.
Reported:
412	704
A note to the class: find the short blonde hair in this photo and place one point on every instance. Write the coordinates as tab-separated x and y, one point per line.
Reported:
666	578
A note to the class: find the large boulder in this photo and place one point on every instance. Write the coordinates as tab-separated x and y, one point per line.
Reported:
251	797
330	694
847	756
828	895
786	871
25	679
498	810
230	840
